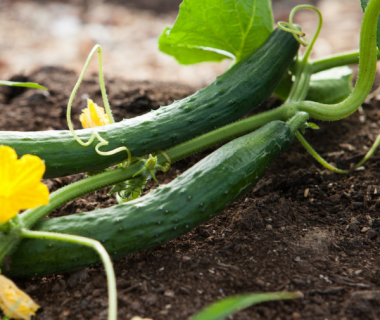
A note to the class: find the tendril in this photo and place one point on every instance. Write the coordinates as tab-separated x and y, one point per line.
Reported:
370	152
107	107
167	165
316	156
297	33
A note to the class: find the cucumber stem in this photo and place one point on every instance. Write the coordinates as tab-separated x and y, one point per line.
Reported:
295	122
94	244
301	83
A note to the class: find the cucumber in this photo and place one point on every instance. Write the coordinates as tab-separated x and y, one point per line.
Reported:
165	213
237	92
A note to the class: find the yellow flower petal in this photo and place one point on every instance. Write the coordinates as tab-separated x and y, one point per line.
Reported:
8	159
93	116
31	198
7	210
20	183
30	172
14	302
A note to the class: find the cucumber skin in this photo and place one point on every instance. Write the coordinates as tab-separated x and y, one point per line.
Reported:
165	213
232	95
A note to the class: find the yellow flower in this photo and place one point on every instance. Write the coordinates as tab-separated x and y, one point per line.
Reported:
20	183
15	303
93	116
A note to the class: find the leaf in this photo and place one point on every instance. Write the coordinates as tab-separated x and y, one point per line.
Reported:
364	5
186	55
223	308
21	84
313	126
212	30
330	86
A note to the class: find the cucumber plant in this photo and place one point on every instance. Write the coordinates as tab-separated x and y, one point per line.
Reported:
229	97
207	117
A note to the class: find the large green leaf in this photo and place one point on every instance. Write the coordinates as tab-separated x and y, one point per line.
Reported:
212	30
364	5
223	308
21	84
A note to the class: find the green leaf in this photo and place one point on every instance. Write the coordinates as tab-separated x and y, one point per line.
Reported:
212	30
223	308
21	84
364	5
330	86
186	55
312	125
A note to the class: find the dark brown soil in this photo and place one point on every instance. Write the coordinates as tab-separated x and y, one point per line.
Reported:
301	228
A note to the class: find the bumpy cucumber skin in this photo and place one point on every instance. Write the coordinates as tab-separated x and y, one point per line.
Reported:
238	91
165	213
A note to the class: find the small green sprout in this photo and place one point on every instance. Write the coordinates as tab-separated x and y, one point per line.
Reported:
150	166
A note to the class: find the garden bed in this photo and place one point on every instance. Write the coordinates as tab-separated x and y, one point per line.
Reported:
301	228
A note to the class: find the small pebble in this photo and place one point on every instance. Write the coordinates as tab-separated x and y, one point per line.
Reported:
364	229
169	293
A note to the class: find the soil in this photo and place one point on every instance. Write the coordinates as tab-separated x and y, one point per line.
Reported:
300	228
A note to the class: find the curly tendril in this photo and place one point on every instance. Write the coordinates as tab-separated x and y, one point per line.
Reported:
102	141
297	33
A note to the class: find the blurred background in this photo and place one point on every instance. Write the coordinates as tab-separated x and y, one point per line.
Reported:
39	33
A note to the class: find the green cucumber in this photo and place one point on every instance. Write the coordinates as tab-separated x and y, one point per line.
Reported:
165	213
232	95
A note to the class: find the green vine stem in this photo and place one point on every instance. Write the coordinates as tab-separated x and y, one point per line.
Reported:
94	244
370	152
366	76
333	61
300	86
77	189
316	156
337	60
303	68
